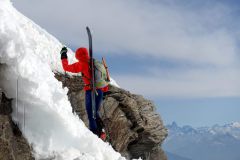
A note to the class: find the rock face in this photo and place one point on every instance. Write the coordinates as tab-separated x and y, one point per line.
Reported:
13	145
134	128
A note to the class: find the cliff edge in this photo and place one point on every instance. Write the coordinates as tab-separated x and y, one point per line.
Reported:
134	128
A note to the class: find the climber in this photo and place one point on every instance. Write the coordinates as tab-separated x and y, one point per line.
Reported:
95	124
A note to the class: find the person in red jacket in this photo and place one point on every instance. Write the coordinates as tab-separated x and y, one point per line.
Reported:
95	125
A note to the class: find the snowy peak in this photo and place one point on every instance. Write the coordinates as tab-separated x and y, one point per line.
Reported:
235	125
174	128
218	142
232	129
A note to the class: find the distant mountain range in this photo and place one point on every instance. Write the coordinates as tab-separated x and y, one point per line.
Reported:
205	143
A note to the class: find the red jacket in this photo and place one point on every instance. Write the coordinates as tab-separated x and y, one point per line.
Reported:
81	66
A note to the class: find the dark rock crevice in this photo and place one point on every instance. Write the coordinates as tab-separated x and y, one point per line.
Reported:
5	103
13	145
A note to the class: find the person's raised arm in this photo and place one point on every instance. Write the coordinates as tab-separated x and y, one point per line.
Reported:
74	68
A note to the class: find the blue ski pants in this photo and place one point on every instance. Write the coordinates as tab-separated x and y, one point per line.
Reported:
94	124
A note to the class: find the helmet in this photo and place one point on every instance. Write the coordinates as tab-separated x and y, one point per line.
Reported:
82	54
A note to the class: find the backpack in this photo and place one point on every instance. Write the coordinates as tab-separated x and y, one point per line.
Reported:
102	78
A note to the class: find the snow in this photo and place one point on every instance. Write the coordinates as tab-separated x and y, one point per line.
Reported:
28	57
236	124
114	83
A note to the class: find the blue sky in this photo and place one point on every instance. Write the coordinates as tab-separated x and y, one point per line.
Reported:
183	55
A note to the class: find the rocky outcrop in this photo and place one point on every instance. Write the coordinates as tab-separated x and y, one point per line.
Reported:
13	145
134	127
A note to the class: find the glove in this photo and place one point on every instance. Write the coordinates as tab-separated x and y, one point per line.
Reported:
63	53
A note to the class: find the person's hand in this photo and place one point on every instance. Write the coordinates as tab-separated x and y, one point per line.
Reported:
63	53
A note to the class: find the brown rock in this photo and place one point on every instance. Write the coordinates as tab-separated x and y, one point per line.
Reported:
13	145
157	154
4	151
135	129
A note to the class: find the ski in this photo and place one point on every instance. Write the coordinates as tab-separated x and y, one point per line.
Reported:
91	64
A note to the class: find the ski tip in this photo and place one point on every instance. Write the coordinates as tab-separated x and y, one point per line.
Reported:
87	28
